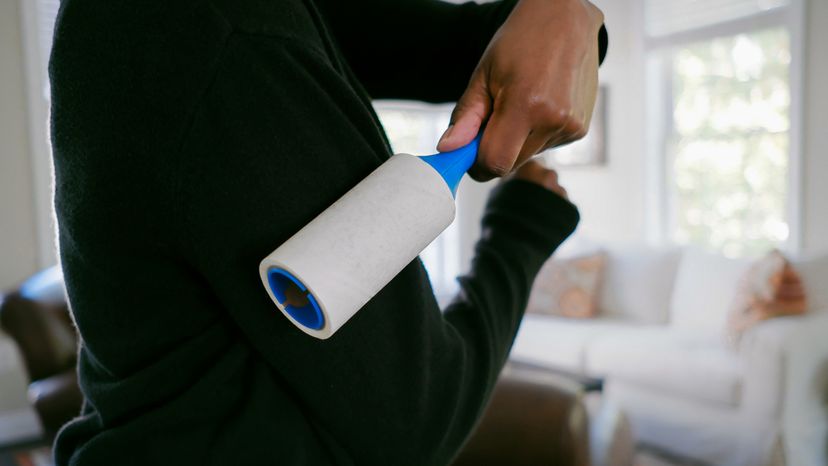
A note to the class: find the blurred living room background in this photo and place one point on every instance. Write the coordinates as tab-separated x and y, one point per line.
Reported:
690	308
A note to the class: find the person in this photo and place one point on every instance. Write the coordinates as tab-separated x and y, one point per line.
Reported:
192	137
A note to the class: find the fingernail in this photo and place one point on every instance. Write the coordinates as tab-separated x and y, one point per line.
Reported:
445	135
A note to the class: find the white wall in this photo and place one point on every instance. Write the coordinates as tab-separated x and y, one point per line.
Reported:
611	198
815	143
18	234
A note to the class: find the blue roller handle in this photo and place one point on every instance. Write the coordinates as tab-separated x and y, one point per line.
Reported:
452	165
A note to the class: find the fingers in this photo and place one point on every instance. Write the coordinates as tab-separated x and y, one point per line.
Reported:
519	128
535	171
551	183
468	116
534	88
503	139
537	142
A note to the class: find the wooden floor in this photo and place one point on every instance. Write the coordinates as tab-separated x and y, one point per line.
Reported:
35	454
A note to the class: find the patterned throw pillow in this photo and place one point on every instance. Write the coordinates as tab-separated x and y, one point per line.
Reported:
770	288
568	287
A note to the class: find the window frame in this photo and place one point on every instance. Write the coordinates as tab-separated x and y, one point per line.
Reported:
659	107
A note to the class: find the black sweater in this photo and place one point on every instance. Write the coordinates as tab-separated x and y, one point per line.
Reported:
190	139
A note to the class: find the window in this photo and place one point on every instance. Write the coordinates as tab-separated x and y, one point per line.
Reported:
414	128
729	144
726	146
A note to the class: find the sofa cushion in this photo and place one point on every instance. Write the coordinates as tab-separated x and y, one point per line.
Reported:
692	366
638	283
770	288
704	291
568	287
558	342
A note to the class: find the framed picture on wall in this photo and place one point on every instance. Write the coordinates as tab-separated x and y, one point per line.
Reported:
589	151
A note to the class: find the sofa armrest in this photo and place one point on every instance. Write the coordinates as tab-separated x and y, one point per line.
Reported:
532	419
786	377
763	349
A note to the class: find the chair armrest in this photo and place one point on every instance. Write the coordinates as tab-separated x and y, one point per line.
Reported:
57	400
532	419
786	376
36	316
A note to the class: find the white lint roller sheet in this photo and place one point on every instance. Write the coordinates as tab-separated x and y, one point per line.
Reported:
328	270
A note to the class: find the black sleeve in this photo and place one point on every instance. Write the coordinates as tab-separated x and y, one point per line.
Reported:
276	141
414	49
417	49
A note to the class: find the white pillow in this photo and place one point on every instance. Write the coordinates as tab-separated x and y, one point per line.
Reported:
705	288
638	283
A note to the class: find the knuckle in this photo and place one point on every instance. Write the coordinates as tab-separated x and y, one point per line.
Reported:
495	159
548	114
598	14
580	132
499	169
595	13
497	166
574	130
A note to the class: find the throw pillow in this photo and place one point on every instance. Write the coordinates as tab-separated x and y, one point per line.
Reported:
770	288
568	287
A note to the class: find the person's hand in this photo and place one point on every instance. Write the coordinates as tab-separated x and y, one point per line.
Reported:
533	89
534	171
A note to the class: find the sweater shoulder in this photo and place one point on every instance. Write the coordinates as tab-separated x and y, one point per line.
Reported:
292	19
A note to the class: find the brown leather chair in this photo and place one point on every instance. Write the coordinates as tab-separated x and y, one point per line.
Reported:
533	419
37	317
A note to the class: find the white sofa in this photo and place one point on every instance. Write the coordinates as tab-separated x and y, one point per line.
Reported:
661	345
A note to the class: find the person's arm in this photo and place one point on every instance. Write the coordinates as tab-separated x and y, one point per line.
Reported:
413	49
278	139
527	69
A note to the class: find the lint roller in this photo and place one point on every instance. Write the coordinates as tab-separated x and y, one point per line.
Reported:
328	270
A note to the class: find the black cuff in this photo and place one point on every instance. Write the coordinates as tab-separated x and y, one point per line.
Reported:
603	43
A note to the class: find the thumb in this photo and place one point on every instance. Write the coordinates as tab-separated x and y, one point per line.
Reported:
468	116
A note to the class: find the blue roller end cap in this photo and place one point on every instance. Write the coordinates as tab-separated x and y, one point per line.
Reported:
309	315
454	164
